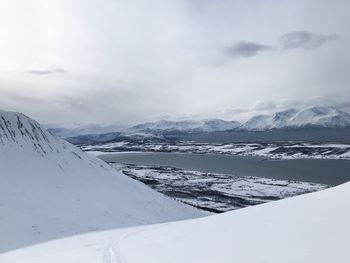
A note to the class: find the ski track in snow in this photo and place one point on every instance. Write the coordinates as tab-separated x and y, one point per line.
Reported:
112	255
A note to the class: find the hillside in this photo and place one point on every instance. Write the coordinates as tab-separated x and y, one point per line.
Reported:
303	229
51	189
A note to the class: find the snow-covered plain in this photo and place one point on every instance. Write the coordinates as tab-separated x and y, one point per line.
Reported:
212	191
50	189
308	228
282	150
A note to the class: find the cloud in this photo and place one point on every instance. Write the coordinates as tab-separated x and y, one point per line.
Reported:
292	40
263	105
98	63
305	40
244	113
46	71
245	49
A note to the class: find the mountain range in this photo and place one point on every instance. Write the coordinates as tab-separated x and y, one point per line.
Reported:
312	117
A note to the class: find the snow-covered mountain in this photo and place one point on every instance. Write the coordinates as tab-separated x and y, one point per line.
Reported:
292	119
211	125
328	117
78	130
308	228
50	189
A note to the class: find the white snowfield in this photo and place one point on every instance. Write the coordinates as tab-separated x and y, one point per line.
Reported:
51	189
304	229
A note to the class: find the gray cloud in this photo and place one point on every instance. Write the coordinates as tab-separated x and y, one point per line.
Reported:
263	105
187	62
305	40
292	40
46	71
245	49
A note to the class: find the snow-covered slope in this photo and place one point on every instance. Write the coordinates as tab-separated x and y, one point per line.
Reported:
184	126
50	189
329	117
321	116
308	228
259	122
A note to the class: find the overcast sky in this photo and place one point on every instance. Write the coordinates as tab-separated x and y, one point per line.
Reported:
129	61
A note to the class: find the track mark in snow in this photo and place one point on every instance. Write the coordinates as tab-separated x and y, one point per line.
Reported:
110	256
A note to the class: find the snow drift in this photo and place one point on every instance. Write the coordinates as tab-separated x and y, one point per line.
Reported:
50	189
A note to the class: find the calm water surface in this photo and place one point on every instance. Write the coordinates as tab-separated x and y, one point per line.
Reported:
331	172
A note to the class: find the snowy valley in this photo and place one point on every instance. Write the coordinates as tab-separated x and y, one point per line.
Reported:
54	195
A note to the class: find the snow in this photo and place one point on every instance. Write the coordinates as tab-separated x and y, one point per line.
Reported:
82	129
303	229
210	125
281	150
213	191
98	153
312	116
51	189
107	145
326	117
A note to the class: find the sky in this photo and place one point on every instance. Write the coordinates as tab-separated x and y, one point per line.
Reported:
128	61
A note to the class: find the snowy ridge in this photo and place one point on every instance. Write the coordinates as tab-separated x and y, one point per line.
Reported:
77	130
314	116
329	117
50	189
309	117
303	229
184	126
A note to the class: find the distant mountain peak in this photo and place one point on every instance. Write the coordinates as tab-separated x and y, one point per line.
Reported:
317	116
206	125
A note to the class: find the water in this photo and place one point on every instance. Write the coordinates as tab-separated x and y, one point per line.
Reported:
331	172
